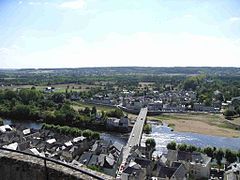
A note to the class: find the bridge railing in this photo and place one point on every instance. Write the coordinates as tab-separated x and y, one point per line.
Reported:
46	159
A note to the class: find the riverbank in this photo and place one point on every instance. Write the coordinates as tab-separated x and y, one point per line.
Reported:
202	123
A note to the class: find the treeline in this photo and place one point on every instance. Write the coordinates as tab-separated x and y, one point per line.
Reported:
21	104
67	130
51	108
215	153
209	88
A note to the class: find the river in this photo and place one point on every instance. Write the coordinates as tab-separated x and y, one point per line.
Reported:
118	137
163	135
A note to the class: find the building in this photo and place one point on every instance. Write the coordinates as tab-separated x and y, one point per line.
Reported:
232	172
197	164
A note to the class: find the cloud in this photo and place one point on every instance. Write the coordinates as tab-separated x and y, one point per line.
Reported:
139	49
4	51
188	16
77	4
234	19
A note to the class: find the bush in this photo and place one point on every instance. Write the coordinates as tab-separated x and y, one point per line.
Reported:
172	145
191	148
150	143
229	113
63	129
117	113
147	128
182	147
230	156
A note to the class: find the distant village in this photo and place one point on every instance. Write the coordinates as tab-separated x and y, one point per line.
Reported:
171	101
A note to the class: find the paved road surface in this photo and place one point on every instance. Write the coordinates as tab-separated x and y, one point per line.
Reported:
134	138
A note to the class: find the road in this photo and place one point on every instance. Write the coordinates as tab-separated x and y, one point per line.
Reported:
134	138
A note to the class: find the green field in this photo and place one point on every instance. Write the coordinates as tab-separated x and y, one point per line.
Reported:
58	87
81	105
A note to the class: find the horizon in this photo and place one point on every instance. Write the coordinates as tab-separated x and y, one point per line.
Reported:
102	67
44	34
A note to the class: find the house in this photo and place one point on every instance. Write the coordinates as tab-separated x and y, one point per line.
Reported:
49	89
26	132
101	147
93	161
232	172
12	146
22	146
133	171
116	147
124	122
85	158
145	164
113	122
197	164
202	107
5	128
105	161
8	137
69	153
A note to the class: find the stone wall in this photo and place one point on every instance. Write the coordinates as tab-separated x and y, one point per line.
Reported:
15	166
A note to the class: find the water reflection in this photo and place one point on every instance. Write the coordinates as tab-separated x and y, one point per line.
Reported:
118	137
26	124
163	135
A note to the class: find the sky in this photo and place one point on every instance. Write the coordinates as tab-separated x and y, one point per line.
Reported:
96	33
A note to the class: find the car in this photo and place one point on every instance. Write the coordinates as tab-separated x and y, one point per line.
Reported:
133	135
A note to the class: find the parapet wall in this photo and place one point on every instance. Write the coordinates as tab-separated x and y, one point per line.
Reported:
15	166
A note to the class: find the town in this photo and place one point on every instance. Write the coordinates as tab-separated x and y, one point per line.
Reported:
132	161
161	128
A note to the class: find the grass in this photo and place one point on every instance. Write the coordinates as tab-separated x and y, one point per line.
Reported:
236	121
171	125
58	87
81	105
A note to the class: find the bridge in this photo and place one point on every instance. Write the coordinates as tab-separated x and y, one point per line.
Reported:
134	138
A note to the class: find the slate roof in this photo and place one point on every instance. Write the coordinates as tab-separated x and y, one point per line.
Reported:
85	158
118	146
143	162
166	172
93	161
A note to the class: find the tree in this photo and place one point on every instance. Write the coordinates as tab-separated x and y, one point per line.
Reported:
229	113
238	155
209	151
95	135
117	113
172	145
147	128
28	95
182	147
9	94
150	143
87	133
191	148
230	156
58	97
238	110
219	156
94	110
87	111
103	115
